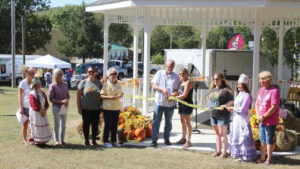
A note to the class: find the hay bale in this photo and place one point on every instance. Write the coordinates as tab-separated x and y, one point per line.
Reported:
79	128
291	122
286	140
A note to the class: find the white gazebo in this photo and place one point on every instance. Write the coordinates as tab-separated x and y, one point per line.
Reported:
279	15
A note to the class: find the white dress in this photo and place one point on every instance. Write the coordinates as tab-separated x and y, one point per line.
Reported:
40	129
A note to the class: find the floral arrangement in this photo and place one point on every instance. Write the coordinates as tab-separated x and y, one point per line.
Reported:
134	125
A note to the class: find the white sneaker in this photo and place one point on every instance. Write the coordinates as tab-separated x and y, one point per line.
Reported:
117	145
107	145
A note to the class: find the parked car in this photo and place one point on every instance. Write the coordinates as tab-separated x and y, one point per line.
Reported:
153	69
120	66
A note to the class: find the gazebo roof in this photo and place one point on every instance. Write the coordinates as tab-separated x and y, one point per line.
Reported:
197	12
104	5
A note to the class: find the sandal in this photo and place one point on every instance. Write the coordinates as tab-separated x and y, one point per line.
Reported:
267	162
224	155
216	154
259	161
181	141
25	143
187	145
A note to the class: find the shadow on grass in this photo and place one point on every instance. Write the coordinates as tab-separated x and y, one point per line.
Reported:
9	115
285	160
71	147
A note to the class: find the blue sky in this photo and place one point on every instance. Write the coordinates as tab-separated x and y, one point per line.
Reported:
61	3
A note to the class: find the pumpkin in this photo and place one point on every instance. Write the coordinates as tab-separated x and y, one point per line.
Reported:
138	131
149	130
124	136
257	145
139	139
131	134
121	119
143	134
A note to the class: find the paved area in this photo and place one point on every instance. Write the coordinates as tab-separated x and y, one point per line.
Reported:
205	141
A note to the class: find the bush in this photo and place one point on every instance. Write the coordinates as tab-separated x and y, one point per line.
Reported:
158	59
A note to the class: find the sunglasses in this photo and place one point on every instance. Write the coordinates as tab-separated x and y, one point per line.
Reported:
91	71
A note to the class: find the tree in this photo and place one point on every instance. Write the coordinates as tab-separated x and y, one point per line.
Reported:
120	34
160	40
219	37
158	59
83	34
269	45
291	51
38	26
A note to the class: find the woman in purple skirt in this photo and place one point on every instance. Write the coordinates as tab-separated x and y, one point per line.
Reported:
241	144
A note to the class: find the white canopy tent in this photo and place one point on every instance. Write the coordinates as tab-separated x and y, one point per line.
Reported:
279	15
49	62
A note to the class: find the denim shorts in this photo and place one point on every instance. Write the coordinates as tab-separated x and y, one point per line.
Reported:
220	121
267	133
26	111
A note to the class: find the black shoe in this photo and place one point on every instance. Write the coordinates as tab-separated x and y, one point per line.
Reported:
167	142
153	144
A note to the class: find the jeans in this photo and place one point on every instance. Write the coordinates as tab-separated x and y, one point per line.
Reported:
267	133
90	117
59	121
157	116
111	118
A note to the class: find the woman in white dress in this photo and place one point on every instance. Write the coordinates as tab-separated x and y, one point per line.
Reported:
40	129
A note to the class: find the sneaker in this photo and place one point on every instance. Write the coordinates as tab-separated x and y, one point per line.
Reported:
117	145
94	143
107	145
87	143
167	142
153	144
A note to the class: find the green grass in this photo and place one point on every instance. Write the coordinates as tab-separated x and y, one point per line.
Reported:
14	155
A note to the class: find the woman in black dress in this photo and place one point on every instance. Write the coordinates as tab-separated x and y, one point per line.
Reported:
185	94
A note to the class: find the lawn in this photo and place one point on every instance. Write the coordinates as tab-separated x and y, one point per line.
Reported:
14	155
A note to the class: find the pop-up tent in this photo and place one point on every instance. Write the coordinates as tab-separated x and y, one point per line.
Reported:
49	62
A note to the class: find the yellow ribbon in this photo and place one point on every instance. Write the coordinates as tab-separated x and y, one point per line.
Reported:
172	98
139	97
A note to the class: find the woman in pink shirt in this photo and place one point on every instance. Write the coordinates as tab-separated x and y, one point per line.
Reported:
267	111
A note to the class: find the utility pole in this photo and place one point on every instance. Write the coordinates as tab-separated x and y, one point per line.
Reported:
171	40
13	43
23	40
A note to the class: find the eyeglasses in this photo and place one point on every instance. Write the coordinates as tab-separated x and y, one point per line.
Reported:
113	74
91	71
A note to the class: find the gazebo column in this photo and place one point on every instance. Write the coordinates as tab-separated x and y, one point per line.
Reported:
280	51
136	30
255	71
203	33
146	81
105	44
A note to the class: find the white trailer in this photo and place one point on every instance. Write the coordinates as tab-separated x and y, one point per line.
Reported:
232	62
6	63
